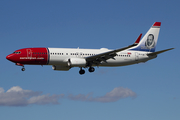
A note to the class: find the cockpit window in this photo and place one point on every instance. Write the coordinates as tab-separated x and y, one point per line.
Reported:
17	52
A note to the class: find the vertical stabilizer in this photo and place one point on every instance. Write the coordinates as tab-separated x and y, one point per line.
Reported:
149	41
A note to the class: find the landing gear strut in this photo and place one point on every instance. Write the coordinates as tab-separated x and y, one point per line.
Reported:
81	72
91	69
19	64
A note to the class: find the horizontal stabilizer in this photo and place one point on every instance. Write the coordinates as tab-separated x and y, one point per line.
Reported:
158	52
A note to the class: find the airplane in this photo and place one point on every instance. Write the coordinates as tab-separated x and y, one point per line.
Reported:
64	59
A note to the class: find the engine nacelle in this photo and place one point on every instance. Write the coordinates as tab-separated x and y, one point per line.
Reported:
62	68
76	62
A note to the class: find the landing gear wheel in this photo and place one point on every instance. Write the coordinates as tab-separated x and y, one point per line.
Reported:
23	69
91	69
81	72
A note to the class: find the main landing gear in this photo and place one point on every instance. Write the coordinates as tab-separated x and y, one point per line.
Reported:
91	69
82	71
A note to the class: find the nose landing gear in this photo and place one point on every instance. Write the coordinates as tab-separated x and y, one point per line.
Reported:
19	64
23	69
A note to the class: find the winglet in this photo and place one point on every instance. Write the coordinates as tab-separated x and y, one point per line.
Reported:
138	39
136	42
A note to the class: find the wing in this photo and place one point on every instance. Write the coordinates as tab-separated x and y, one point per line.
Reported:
97	59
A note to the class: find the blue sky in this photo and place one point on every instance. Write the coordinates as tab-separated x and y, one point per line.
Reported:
152	88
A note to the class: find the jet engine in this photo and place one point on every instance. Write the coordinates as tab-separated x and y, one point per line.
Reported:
62	68
76	62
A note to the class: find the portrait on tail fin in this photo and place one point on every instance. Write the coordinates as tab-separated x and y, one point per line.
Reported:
150	43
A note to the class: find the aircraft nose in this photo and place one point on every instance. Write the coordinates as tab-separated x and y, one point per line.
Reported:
9	57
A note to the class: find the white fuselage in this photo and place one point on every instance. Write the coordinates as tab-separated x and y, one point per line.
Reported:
59	56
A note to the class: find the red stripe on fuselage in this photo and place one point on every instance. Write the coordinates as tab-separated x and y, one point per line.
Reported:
34	56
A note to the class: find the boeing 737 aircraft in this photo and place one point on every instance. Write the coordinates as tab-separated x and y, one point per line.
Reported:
65	58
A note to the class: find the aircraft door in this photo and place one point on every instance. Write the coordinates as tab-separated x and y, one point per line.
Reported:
78	54
29	53
136	56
